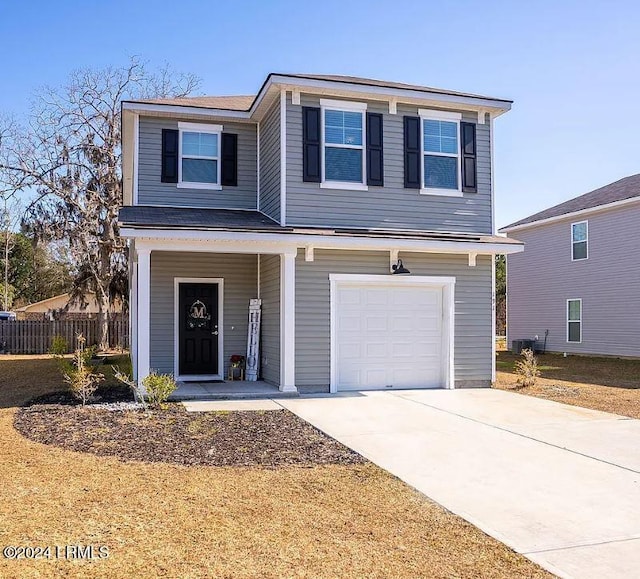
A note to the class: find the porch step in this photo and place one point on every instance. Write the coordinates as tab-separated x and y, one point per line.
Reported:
179	397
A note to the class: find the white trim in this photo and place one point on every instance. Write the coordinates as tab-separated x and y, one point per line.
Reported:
393	258
200	128
295	96
287	322
344	185
481	116
339	105
258	167
428	115
493	319
472	258
447	283
440	115
308	253
136	156
574	321
133	310
283	157
586	240
176	329
491	174
393	106
258	277
144	313
349	106
573	214
271	243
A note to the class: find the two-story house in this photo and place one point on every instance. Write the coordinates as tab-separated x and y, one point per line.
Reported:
359	212
576	285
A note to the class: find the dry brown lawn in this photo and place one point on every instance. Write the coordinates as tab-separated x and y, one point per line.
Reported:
608	384
162	520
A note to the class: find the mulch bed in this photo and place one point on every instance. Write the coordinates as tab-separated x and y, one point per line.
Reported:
172	435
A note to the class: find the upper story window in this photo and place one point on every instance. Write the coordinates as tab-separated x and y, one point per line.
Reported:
441	152
579	240
343	138
199	159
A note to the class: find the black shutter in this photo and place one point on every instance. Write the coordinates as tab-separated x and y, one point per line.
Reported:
311	144
375	164
169	156
229	159
468	155
412	152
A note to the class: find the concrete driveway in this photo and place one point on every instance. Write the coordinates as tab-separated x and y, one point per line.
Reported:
557	483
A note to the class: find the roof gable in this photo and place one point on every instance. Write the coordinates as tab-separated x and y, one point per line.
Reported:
622	190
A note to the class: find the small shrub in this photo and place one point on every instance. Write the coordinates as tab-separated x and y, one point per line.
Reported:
59	346
81	377
527	369
158	388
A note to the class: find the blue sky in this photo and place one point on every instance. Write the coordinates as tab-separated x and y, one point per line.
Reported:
572	67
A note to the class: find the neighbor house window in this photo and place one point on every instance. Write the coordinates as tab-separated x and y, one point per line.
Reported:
579	240
343	134
440	151
574	320
199	164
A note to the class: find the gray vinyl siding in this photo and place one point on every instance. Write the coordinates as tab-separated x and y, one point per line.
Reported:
151	191
270	294
391	206
270	162
543	278
239	272
473	331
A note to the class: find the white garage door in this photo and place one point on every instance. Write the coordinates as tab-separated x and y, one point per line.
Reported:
389	335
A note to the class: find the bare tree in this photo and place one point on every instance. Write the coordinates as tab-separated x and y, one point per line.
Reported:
70	154
10	217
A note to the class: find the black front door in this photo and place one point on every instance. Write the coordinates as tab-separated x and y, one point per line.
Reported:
198	329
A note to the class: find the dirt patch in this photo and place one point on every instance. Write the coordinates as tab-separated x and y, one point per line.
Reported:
606	384
173	435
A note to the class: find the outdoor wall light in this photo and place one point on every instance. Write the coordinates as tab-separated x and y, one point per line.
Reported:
399	269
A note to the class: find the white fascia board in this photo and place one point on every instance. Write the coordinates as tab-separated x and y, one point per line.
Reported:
151	108
247	242
388	92
572	215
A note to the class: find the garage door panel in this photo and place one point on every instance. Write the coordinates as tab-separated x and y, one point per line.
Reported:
392	336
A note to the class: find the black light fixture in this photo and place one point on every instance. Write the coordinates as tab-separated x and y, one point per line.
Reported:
399	269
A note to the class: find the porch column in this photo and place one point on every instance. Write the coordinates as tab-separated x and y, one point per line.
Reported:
144	313
133	309
288	322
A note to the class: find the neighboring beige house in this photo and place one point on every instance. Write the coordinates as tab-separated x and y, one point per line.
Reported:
60	307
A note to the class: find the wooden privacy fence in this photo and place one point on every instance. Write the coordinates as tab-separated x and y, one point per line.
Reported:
35	336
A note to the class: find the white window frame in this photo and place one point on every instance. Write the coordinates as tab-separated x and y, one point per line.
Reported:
200	128
586	240
574	321
429	115
349	106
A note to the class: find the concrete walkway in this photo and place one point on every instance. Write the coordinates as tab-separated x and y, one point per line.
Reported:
557	483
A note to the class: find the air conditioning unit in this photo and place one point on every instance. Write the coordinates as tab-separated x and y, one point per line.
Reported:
518	345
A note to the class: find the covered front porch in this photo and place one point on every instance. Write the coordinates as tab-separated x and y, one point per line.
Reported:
190	316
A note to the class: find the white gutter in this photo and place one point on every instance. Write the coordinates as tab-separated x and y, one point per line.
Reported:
181	109
571	215
171	239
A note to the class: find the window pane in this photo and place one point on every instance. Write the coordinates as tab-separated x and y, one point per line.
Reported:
440	172
342	127
580	250
574	331
343	164
199	171
440	137
200	144
574	310
579	232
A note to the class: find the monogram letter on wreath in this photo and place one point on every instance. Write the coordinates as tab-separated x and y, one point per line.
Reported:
198	317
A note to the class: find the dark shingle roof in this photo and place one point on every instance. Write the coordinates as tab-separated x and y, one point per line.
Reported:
388	84
626	188
244	102
227	103
186	217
